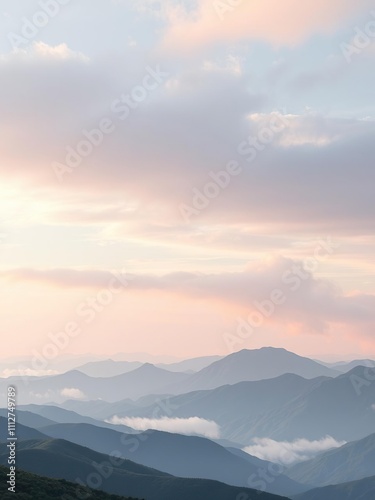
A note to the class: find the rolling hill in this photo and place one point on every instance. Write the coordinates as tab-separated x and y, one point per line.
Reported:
192	364
43	415
29	418
335	407
245	365
101	410
187	456
61	459
108	368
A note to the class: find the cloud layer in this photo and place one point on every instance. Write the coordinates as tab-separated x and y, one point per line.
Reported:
290	23
167	172
304	303
192	426
286	453
72	393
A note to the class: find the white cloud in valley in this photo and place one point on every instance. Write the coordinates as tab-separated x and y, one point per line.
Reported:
288	452
188	426
72	393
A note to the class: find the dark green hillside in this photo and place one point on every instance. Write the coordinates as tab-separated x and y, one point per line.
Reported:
33	487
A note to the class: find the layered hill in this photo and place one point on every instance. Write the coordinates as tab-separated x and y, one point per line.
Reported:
353	461
185	456
61	459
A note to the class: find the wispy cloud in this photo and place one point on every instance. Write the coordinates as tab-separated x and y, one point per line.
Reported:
286	452
292	22
318	307
189	426
72	393
43	395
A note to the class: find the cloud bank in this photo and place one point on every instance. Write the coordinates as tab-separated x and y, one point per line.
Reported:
72	393
286	453
192	426
165	173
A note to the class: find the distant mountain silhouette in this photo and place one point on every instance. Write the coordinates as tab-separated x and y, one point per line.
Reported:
111	368
23	432
252	365
108	367
147	379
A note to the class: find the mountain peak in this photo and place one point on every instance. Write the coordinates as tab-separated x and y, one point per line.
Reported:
264	349
148	366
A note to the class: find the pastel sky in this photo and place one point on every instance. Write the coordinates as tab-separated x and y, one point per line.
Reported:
216	156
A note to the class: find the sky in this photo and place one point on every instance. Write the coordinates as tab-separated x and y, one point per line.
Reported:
187	178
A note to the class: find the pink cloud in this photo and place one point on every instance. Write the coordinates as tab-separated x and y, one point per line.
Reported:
303	303
280	23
